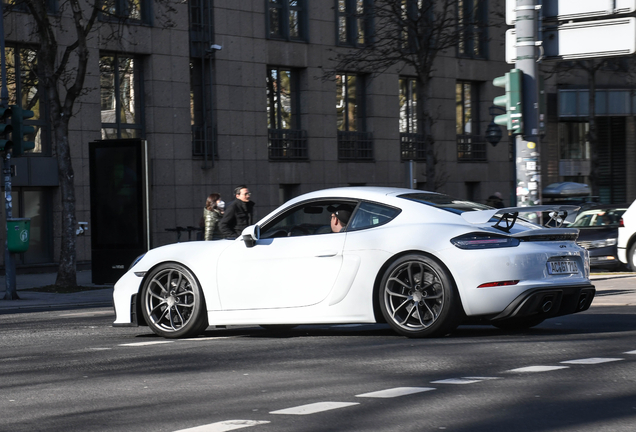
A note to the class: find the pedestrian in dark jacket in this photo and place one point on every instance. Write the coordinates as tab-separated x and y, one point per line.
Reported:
238	215
212	214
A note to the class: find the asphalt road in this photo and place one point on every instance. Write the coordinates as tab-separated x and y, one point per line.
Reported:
71	371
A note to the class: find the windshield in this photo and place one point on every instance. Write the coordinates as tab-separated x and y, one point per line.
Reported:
599	217
445	202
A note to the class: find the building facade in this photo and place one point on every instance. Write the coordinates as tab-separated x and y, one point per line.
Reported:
245	92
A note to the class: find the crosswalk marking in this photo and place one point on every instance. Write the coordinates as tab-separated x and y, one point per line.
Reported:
538	368
395	392
223	426
593	360
456	381
314	408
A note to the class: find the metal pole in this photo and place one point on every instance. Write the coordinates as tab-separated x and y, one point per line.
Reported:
528	169
9	263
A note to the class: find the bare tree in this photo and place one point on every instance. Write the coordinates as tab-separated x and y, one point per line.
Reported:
409	35
61	72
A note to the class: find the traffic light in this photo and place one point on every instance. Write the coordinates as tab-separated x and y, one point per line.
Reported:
5	128
513	119
20	130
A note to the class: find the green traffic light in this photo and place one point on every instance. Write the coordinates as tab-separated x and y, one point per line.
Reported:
20	130
511	101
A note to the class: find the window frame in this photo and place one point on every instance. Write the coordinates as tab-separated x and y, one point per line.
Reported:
284	10
353	21
138	93
472	29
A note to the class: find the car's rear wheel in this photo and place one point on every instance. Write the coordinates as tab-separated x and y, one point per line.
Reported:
173	304
418	297
631	258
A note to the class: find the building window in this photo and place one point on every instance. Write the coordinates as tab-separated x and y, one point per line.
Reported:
201	123
354	22
353	142
412	144
285	138
472	22
35	204
470	146
120	81
287	20
134	10
24	91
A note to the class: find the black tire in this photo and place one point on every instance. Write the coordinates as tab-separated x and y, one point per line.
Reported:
631	258
518	324
418	298
173	303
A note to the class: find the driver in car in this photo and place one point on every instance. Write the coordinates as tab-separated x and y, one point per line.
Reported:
339	218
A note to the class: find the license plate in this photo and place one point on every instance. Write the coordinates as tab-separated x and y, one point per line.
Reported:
562	267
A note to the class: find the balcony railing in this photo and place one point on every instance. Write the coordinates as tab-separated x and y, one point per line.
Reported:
471	148
355	146
287	144
412	147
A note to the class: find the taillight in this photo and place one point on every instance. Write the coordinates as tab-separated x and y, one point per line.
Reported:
500	283
484	241
621	224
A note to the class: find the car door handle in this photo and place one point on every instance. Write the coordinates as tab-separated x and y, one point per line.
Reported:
326	254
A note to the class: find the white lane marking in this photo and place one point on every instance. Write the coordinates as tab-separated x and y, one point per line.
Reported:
456	381
593	360
314	408
538	368
395	392
482	378
207	338
135	344
227	425
79	314
630	352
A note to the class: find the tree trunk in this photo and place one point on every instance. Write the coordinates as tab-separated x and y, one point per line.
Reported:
425	126
67	272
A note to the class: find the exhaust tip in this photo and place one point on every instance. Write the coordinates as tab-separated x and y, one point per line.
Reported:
547	305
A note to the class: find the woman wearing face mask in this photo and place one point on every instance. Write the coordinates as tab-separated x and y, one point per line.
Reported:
212	214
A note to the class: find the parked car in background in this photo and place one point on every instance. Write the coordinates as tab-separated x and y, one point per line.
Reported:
627	238
598	233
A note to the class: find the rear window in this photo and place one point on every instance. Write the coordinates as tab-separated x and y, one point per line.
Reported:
445	202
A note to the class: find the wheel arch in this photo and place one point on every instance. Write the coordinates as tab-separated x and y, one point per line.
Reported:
377	312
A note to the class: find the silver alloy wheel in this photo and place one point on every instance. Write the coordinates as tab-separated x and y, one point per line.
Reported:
414	295
170	300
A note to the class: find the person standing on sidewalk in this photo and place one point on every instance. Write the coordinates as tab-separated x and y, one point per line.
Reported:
238	215
212	214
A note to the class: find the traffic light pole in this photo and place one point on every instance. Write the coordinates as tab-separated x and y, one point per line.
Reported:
527	158
9	263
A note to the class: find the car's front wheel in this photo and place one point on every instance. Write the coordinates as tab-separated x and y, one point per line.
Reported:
418	297
173	304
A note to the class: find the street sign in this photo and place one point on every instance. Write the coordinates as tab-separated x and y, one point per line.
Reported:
564	10
588	39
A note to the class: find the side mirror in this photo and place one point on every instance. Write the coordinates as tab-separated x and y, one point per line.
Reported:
250	235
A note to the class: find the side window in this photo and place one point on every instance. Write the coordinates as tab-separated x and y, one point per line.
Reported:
370	215
306	219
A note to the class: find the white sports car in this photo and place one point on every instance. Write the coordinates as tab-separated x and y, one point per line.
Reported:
422	262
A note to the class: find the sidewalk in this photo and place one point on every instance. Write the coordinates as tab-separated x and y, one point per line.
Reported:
41	300
612	289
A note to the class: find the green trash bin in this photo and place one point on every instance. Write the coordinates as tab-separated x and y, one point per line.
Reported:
18	233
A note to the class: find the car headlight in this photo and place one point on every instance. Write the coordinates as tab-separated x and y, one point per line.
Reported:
136	260
484	241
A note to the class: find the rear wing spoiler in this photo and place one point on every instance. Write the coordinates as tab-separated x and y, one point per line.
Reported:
508	216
